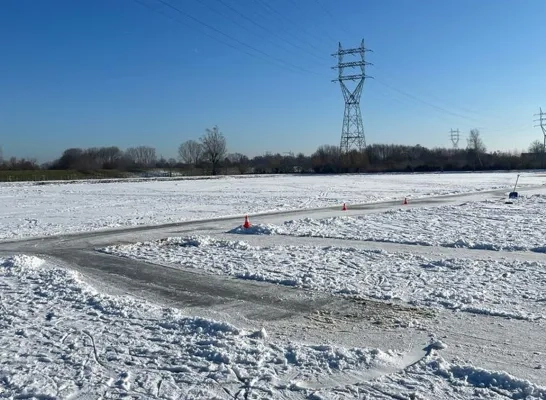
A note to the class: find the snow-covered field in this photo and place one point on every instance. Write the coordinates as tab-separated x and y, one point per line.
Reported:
61	339
30	210
512	289
488	225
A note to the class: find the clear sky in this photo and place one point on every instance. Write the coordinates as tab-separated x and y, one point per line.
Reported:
81	73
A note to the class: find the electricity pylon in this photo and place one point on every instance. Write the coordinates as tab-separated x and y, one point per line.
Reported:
542	124
352	132
455	137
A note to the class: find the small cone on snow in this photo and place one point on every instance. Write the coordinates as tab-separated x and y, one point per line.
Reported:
344	207
405	200
246	225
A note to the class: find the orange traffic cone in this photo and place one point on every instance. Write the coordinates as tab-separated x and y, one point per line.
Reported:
405	200
344	208
246	225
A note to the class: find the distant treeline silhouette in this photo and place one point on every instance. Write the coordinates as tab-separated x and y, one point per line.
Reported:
209	155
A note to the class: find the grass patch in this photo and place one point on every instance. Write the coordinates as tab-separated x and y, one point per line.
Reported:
57	175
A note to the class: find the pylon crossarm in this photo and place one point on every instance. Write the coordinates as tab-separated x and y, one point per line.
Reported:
357	50
357	77
352	64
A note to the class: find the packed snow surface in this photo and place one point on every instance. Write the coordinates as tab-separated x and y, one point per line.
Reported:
505	288
31	210
62	339
488	225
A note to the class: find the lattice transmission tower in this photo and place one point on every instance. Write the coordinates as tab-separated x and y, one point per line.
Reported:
352	132
455	137
542	125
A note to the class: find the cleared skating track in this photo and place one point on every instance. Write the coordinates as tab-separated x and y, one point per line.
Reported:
498	343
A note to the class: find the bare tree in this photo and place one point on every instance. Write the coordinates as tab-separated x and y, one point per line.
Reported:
144	156
190	152
1	156
131	154
536	147
214	147
147	155
475	144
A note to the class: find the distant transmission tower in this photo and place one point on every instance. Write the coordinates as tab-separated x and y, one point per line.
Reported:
455	137
352	132
542	124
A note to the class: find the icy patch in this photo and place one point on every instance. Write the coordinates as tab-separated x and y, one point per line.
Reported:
483	225
510	289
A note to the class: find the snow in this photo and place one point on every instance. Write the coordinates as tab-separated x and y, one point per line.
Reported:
488	225
60	337
63	339
35	210
512	289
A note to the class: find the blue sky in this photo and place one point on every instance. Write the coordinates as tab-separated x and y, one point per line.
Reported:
137	72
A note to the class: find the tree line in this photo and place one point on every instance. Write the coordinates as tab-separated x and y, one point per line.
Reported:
209	155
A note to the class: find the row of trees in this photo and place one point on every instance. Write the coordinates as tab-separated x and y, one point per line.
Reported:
106	158
211	150
209	154
19	164
399	158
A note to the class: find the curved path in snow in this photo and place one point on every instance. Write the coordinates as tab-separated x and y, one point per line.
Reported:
492	342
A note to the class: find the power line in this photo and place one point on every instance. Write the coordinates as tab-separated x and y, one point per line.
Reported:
331	16
280	63
205	33
253	22
434	98
229	36
441	109
282	17
298	5
541	121
262	55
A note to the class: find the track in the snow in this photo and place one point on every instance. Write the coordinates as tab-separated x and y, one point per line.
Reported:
285	312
